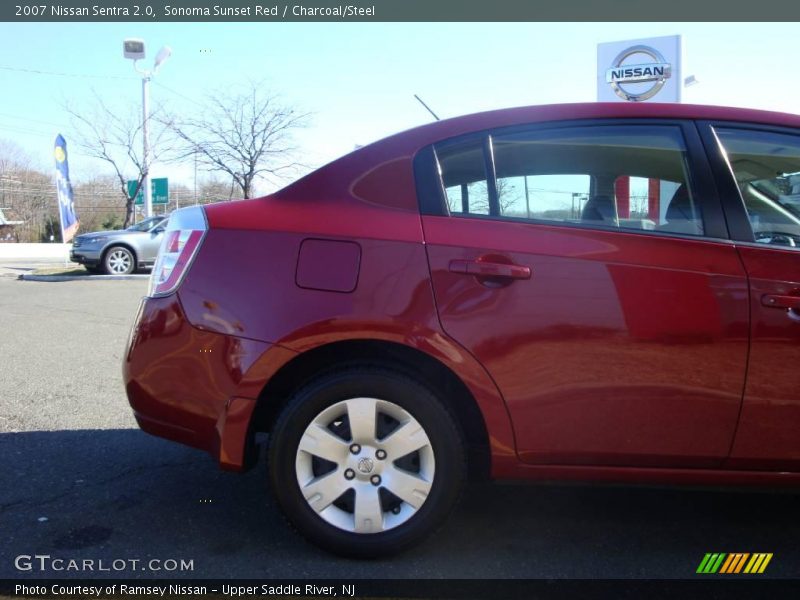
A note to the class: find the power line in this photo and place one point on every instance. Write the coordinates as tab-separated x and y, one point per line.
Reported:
161	85
31	120
83	75
27	131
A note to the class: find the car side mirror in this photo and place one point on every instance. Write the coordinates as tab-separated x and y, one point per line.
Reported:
157	230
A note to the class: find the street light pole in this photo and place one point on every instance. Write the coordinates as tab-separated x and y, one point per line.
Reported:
134	49
148	190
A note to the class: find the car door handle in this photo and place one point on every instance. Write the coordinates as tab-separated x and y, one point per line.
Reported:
490	269
776	301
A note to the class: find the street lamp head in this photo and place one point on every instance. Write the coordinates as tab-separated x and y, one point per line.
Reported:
690	81
133	48
162	57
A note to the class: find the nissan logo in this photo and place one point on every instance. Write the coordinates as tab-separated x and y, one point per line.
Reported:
365	465
656	71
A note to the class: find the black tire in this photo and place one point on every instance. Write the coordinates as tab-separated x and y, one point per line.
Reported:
393	388
119	260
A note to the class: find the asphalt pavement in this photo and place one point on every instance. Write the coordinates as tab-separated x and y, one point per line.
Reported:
79	481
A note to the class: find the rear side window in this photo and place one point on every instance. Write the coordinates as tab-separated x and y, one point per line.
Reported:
766	166
463	171
624	177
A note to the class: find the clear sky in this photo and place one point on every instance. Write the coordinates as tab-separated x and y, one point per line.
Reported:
358	80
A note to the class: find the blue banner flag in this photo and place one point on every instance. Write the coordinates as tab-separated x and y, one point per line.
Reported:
66	204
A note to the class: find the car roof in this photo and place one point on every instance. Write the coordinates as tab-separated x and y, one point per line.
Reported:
455	126
413	139
361	173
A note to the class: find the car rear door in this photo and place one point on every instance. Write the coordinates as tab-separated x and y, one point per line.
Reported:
586	266
758	172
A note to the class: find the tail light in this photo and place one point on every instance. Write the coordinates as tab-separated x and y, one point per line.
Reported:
182	237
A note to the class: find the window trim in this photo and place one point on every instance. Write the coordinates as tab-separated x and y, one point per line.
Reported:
491	177
702	179
730	194
427	179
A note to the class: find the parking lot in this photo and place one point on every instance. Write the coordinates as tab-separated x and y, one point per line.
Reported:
80	481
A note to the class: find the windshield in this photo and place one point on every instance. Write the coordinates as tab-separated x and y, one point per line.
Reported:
146	225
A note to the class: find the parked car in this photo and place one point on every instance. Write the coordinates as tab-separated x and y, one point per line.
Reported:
120	252
586	292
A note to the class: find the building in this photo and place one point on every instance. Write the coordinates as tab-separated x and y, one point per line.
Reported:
7	228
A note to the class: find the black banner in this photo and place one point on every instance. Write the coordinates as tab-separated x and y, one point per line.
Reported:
462	589
151	11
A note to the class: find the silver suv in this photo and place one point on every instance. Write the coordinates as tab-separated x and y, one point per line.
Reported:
120	252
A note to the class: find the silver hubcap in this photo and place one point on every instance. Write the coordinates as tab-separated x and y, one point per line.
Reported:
119	261
365	465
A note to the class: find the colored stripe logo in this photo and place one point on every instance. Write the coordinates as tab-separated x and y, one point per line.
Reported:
733	563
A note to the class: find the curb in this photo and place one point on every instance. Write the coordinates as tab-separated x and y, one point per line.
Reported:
29	277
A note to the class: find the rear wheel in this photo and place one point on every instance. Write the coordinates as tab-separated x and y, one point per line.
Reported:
119	261
366	462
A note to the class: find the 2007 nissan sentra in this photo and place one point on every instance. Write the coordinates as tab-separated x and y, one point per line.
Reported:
586	292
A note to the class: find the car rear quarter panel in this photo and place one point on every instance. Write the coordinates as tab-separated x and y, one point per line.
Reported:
168	361
244	283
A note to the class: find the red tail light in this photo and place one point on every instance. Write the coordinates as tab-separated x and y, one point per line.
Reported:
182	239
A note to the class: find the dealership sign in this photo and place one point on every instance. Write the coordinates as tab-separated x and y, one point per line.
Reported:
655	72
639	70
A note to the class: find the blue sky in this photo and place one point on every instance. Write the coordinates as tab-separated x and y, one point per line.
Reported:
358	80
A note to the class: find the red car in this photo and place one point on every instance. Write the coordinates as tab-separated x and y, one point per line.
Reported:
588	291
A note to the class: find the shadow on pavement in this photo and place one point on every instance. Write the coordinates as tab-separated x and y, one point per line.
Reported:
121	494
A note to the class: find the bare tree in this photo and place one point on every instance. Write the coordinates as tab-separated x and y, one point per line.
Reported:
97	202
479	196
27	192
214	190
12	156
246	134
116	139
